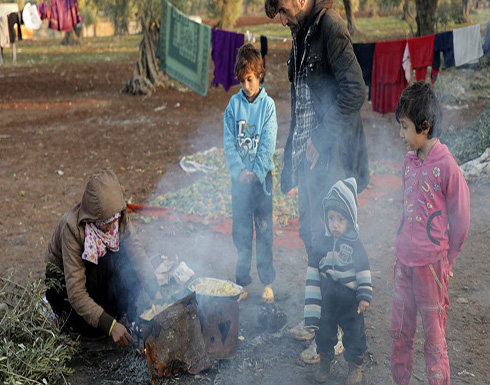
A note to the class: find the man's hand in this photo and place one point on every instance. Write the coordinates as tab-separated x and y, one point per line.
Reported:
120	335
363	306
312	154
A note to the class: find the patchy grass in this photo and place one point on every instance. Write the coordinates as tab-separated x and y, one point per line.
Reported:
32	53
373	28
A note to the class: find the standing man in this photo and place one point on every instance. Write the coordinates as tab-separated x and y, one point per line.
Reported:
326	140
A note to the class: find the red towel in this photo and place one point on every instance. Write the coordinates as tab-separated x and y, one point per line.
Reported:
421	54
388	77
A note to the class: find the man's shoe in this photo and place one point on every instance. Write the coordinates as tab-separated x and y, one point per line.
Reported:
323	371
355	374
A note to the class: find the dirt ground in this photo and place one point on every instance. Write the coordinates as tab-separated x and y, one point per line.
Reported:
60	125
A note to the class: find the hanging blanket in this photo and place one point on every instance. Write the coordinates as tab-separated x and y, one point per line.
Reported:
388	79
364	53
486	45
64	15
183	49
225	47
467	45
4	32
421	54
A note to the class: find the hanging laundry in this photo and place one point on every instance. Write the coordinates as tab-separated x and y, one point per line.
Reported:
486	45
13	20
225	45
406	64
183	49
64	15
4	32
30	16
43	11
443	43
421	54
467	45
263	53
388	78
364	53
250	37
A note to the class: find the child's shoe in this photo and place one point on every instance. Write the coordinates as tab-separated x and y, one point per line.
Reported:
244	294
302	333
309	355
268	294
355	374
323	371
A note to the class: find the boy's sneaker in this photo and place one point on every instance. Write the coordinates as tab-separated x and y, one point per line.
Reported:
302	333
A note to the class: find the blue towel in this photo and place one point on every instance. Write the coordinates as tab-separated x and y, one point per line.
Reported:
443	42
486	45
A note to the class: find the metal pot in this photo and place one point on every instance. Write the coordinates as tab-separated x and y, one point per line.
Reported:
218	315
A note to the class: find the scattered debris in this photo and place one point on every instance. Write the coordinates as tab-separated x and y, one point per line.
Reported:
467	143
462	300
33	349
272	318
478	168
182	273
464	372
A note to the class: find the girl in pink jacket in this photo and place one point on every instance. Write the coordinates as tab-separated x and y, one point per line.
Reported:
433	227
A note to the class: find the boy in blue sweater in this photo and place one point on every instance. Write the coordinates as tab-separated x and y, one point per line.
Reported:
344	279
250	131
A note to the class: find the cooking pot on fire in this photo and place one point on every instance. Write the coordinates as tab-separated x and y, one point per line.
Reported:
217	303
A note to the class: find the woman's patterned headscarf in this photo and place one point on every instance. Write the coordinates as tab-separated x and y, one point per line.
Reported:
97	242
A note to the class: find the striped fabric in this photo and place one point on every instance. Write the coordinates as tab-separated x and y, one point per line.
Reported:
313	297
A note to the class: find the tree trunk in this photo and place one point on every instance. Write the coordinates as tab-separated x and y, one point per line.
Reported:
72	37
407	15
146	74
465	12
351	20
426	16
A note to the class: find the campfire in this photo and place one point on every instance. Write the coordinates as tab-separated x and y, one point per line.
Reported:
188	334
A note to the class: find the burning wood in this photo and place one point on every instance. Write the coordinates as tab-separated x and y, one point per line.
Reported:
173	340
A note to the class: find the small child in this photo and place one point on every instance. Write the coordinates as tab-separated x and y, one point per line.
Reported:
433	226
250	131
345	282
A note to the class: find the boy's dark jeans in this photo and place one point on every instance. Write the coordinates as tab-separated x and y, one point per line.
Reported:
339	307
250	204
112	284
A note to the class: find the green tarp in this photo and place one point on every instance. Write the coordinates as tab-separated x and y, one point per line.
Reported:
183	49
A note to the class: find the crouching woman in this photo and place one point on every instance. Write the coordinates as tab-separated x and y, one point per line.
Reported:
95	265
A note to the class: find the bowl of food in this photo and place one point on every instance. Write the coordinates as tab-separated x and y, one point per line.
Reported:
213	287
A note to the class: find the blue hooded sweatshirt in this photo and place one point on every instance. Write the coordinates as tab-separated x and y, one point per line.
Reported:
249	137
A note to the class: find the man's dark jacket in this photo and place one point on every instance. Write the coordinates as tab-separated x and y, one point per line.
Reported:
337	91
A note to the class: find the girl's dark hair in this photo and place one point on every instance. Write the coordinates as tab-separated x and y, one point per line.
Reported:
248	59
419	103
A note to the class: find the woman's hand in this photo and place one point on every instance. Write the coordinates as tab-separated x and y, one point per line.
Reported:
363	306
120	335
